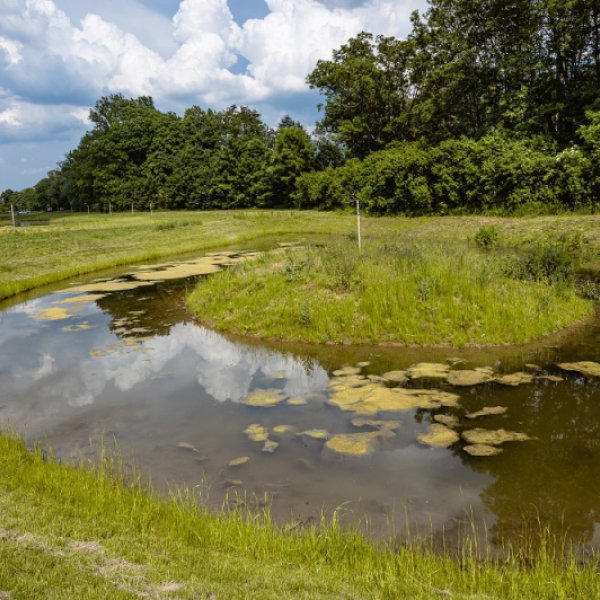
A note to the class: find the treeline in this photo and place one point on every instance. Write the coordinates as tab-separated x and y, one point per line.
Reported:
136	154
488	105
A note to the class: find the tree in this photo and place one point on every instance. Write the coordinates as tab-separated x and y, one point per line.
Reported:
293	155
366	92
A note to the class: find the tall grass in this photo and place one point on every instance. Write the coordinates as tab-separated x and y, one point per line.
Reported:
422	293
94	531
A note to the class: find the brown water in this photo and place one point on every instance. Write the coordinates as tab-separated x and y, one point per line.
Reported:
174	381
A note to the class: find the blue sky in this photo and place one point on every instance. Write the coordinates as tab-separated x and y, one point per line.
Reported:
57	57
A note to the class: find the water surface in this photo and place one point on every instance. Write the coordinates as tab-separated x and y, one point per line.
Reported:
135	368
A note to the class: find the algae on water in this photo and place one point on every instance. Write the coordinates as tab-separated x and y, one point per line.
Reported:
439	436
586	368
487	411
515	379
493	437
264	398
428	371
470	377
353	444
482	450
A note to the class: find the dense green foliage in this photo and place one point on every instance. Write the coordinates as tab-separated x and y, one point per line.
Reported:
487	106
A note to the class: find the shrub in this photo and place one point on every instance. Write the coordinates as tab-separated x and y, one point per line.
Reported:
486	236
546	260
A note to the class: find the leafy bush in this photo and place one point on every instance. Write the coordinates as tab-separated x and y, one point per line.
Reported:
547	260
486	236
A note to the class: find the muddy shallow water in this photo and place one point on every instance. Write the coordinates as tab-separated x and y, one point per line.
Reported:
132	366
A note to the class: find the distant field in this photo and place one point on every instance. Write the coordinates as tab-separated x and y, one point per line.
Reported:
74	244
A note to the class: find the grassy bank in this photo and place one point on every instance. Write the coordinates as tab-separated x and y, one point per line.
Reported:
447	293
71	245
76	533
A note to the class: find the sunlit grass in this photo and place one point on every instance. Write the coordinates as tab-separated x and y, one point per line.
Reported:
93	532
73	244
423	293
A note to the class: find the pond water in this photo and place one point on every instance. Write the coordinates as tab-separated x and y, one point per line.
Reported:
132	366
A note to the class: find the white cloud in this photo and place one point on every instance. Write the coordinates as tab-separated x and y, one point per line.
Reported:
10	117
47	367
11	50
52	68
98	57
27	122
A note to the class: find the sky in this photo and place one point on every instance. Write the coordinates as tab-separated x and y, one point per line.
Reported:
58	57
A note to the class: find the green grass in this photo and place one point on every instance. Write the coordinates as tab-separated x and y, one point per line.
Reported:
74	244
423	293
71	245
85	532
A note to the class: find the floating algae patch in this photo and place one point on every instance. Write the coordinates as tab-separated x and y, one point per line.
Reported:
284	432
270	446
179	271
470	377
428	371
257	433
353	444
439	436
284	428
55	314
81	327
493	437
116	285
447	420
186	446
386	429
482	450
315	434
554	378
102	352
297	402
516	379
350	381
345	371
81	299
586	368
395	376
237	462
380	425
374	398
487	411
264	398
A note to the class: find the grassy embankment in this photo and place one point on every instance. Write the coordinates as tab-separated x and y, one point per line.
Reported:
408	289
69	533
71	245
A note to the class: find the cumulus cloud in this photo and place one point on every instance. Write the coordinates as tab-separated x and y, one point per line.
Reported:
27	122
48	59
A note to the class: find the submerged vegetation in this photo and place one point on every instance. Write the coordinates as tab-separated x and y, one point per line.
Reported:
394	292
95	532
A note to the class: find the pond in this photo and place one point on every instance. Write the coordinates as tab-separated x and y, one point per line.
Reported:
255	422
